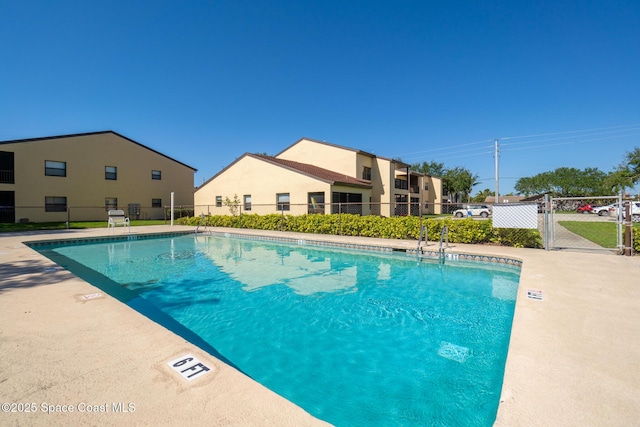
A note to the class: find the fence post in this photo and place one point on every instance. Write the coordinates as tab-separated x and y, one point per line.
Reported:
628	250
545	214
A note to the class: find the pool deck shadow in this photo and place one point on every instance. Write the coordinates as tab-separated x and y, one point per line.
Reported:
573	357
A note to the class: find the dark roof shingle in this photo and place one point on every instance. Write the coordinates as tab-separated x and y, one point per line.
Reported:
317	172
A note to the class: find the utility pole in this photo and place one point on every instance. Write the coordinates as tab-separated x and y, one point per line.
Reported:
496	155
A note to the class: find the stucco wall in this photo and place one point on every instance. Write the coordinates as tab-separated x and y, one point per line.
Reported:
261	180
325	156
85	186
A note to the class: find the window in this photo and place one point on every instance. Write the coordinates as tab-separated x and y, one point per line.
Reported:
316	203
218	201
110	203
346	203
401	184
247	202
426	186
366	173
6	168
156	175
52	168
156	203
415	206
401	208
55	204
282	199
110	172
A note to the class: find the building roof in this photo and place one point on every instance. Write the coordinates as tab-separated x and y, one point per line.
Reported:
17	141
316	172
343	148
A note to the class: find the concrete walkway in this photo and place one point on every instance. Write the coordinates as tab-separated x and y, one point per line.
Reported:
573	358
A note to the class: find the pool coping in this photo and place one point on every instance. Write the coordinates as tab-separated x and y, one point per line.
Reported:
572	357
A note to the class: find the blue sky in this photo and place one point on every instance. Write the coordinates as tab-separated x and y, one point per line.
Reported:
206	81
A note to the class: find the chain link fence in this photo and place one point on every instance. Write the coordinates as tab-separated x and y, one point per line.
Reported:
576	223
586	223
61	214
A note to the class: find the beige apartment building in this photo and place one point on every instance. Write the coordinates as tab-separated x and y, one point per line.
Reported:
318	177
80	177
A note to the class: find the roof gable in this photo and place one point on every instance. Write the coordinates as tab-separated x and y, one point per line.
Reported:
327	144
46	138
341	147
316	172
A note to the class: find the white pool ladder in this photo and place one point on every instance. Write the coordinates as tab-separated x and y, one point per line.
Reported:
423	233
444	236
202	219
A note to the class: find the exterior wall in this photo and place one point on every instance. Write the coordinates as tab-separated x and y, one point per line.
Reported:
85	186
247	177
322	155
384	188
434	194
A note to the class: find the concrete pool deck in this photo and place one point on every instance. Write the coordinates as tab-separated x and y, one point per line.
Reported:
573	358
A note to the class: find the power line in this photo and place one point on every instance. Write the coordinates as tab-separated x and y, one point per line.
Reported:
575	137
463	151
444	148
570	142
539	146
466	155
570	131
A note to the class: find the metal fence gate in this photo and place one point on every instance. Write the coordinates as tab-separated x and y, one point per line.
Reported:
584	223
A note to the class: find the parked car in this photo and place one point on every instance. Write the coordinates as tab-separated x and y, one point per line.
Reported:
635	211
585	208
602	210
473	210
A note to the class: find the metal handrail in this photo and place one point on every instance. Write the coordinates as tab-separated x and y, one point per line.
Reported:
202	216
443	234
424	231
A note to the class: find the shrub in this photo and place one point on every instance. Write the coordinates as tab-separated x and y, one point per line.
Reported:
460	231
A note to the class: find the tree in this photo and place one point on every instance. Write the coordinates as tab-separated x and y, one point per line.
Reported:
234	205
481	196
565	182
627	174
632	160
457	183
430	168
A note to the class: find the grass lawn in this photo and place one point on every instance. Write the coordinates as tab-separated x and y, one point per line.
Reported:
601	233
6	228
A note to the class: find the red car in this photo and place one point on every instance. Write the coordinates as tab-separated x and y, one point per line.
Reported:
585	209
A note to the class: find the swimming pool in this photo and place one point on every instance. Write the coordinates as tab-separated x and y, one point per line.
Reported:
355	338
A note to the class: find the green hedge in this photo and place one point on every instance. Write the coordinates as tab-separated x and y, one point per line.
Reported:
460	230
636	240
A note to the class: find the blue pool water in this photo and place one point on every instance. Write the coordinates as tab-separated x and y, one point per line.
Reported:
355	338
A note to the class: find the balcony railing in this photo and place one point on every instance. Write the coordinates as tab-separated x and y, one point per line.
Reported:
401	184
7	176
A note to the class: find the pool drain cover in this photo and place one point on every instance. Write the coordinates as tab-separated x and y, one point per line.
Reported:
453	352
